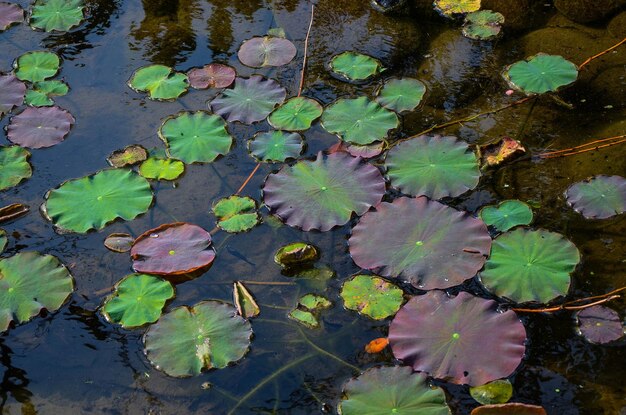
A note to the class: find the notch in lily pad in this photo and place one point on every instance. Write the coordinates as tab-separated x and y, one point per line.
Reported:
483	25
506	215
56	15
159	81
295	114
354	66
245	303
540	73
236	213
372	296
42	92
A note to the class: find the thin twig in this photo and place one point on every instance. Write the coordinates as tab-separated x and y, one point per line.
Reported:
248	179
583	148
570	305
306	49
601	53
258	282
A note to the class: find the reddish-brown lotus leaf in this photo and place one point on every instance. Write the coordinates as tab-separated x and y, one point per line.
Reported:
214	75
505	149
509	409
366	152
38	127
266	51
172	249
13	211
10	14
11	92
599	324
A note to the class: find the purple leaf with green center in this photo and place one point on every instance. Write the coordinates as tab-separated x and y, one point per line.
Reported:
40	127
11	93
599	324
214	75
266	51
10	14
599	197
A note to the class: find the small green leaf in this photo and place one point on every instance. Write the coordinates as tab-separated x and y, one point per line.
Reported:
161	169
507	215
541	73
296	114
449	8
236	213
276	146
372	296
483	24
56	15
498	391
37	66
14	166
296	254
314	302
401	95
355	66
306	318
40	95
160	82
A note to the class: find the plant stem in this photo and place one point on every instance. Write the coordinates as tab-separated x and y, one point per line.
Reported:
324	352
248	179
583	148
603	298
601	53
306	49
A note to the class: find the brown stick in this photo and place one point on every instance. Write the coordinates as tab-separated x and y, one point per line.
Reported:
573	153
568	150
601	53
603	298
248	179
306	49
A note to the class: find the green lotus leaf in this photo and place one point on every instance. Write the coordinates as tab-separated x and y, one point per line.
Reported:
507	215
11	93
392	390
3	240
129	155
246	306
540	73
236	213
498	391
317	275
599	197
296	254
37	66
40	95
599	324
295	114
187	340
93	201
10	14
355	66
195	137
449	8
266	51
483	24
372	296
161	169
160	82
14	166
275	146
527	265
29	283
401	94
138	299
433	166
304	317
313	302
59	15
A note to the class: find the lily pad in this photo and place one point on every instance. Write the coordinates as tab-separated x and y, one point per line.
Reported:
11	93
401	94
161	169
275	146
29	283
195	137
37	66
498	391
425	243
599	324
138	299
359	120
119	242
236	213
266	51
40	95
541	73
14	166
39	127
449	8
496	153
433	166
599	197
527	265
372	296
296	114
314	302
474	342
132	154
10	14
250	100
324	193
296	254
3	240
244	301
507	215
56	15
304	317
187	340
392	390
172	249
93	201
483	25
355	66
214	75
513	408
160	82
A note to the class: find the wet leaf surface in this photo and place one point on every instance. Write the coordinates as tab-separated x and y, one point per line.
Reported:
372	296
296	254
11	93
599	197
161	169
236	213
266	51
14	166
483	24
214	75
541	73
599	324
40	127
244	301
275	146
496	392
119	242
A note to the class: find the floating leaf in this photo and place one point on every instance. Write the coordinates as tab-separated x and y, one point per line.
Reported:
366	152
250	100
507	215
244	301
13	211
11	93
37	66
304	317
377	345
3	240
509	409
527	265
266	51
296	254
29	283
40	127
372	296
391	390
138	299
599	197
323	193
172	249
214	75
275	146
14	166
317	274
314	302
599	324
401	94
40	95
483	25
160	82
355	66
296	114
187	340
93	201
498	391
503	150
540	73
433	166
132	154
474	342
119	242
448	8
161	169
10	14
425	243
276	32
56	15
236	213
359	121
195	136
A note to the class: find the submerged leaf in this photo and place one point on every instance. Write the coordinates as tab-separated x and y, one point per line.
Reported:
506	215
11	93
599	324
355	66
483	24
56	15
40	127
498	391
598	197
214	75
366	152
236	213
296	114
132	154
296	254
372	296
161	169
119	242
266	51
401	94
244	301
540	73
275	146
10	14
304	317
160	82
37	66
14	166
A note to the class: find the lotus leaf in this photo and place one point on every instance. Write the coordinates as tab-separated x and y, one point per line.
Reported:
187	340
3	240
195	136
236	213
296	254
214	75
29	283
266	51
250	100
323	193
355	66
40	95
527	265
503	150
13	211
507	215
359	121
11	93
160	82
275	146
448	8
314	302
392	390
482	25
172	249
599	197
37	66
138	299
599	324
366	152
296	114
426	243
119	242
433	166
244	301
509	409
540	73
372	296
14	166
40	127
93	201
161	169
59	15
304	317
10	14
128	156
401	94
498	391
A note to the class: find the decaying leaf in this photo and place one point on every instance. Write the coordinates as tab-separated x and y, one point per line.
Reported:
244	301
500	151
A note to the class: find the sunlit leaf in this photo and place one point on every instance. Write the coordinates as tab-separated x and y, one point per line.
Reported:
295	114
355	66
119	242
37	66
161	169
372	296
506	215
40	95
214	75
160	82
244	301
497	391
296	254
236	213
449	8
56	15
540	73
483	24
14	166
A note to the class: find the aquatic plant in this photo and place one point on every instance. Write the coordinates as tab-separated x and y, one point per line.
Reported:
372	296
11	93
266	51
540	73
401	94
159	81
483	24
355	66
295	114
161	169
598	197
14	166
39	127
41	93
506	215
37	66
56	15
128	156
275	146
494	392
236	213
245	304
213	75
599	324
10	14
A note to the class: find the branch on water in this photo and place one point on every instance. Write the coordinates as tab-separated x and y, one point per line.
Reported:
601	53
583	148
306	49
571	305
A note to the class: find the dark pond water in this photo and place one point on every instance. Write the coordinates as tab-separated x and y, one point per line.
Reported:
74	362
